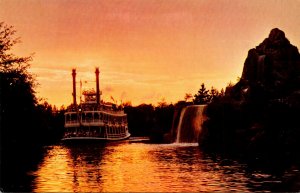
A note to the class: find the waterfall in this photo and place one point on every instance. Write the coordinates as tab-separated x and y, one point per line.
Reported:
180	123
190	124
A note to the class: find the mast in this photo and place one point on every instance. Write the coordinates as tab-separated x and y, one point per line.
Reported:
97	86
74	86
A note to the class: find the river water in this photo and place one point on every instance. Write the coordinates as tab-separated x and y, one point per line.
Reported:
132	167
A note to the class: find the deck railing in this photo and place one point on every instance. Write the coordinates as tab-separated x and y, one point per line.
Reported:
120	135
90	134
87	107
95	121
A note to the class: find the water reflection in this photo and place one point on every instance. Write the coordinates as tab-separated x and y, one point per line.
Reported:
70	168
143	167
188	170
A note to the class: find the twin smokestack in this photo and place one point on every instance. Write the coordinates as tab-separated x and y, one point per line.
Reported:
97	86
74	86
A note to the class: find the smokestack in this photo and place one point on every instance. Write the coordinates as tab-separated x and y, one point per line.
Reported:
74	85
97	86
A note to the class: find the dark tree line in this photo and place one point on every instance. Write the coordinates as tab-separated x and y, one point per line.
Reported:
253	127
23	120
205	96
147	120
156	121
25	124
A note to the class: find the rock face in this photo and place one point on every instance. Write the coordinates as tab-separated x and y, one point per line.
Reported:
274	64
259	116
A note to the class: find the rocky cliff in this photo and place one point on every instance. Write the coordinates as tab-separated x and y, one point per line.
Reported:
259	116
274	65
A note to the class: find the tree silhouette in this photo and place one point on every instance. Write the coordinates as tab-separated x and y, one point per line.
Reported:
19	118
188	96
202	97
222	93
162	103
213	93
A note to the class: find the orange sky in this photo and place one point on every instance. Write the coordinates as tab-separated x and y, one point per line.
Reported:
146	50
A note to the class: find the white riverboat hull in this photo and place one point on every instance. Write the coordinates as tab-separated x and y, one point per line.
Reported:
91	139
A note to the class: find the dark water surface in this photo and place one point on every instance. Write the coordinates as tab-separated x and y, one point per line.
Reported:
143	167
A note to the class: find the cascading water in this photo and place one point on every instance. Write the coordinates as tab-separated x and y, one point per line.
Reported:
190	124
179	124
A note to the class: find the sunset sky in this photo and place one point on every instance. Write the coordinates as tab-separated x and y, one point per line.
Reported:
146	50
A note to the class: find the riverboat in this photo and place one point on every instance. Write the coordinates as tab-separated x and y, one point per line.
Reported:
93	119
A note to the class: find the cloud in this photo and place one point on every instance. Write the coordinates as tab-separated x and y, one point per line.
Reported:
51	75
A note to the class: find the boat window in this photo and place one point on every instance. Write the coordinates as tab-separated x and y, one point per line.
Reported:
89	116
83	116
96	116
73	117
68	117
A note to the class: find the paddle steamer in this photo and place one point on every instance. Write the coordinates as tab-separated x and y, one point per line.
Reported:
93	119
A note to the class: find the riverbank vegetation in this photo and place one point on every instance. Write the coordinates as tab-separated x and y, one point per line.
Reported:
25	120
26	123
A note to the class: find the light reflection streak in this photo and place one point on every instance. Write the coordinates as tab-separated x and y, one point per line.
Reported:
138	167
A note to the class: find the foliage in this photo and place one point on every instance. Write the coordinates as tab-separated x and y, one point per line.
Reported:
163	117
140	119
205	96
26	124
202	97
156	122
188	97
162	103
23	120
17	91
53	120
147	120
252	125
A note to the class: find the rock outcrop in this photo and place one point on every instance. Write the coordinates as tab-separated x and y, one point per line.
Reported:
259	116
273	65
